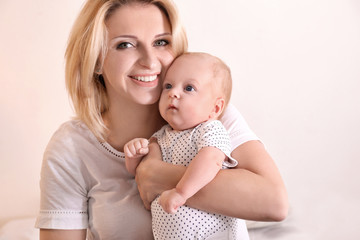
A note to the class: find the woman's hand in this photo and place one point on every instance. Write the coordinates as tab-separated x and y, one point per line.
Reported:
153	176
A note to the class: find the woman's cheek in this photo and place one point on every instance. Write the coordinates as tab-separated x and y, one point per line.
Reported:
165	64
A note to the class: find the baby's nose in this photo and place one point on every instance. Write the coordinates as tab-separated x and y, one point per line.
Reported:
174	94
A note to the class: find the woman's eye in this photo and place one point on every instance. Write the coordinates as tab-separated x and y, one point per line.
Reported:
124	45
189	88
161	43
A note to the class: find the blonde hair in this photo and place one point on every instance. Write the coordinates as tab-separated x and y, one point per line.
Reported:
87	48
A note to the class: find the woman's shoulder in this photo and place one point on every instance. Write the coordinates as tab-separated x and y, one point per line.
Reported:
71	135
233	120
238	129
72	129
231	115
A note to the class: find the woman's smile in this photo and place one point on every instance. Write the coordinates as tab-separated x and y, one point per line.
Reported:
146	81
145	78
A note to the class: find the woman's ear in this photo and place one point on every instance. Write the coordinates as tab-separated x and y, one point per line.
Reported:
218	108
98	70
98	67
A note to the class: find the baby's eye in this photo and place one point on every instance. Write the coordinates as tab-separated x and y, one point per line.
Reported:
167	86
189	88
124	45
161	42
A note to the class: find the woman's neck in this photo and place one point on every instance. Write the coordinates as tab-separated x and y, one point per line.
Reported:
131	120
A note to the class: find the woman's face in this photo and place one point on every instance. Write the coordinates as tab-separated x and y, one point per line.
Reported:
139	53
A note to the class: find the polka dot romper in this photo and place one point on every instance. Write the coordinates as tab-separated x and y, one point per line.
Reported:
180	147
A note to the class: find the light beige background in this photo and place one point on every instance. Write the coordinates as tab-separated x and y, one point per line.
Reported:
296	80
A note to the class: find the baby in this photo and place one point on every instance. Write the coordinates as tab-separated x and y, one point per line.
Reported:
196	90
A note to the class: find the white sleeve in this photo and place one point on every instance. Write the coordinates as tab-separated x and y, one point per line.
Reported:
237	127
63	201
214	134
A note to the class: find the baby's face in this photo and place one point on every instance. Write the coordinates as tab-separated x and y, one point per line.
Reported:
188	97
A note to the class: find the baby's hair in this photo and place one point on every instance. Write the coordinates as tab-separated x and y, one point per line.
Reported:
222	74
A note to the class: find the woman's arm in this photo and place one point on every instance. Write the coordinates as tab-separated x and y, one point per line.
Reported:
253	191
51	234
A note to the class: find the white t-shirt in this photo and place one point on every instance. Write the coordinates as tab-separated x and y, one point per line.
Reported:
84	184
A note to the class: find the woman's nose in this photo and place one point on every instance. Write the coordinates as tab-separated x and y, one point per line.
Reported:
148	59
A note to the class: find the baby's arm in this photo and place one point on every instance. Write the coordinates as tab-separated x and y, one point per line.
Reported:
134	151
201	170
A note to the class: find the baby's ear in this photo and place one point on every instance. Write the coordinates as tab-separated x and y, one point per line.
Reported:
218	108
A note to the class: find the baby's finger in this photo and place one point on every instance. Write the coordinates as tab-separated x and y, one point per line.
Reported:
137	145
172	210
127	151
132	149
144	143
143	151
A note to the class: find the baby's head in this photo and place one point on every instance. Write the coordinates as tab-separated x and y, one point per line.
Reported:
196	88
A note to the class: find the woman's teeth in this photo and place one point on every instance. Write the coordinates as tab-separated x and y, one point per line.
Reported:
146	78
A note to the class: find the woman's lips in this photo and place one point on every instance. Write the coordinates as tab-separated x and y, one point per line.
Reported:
146	80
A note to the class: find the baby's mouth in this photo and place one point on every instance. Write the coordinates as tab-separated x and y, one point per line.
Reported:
171	106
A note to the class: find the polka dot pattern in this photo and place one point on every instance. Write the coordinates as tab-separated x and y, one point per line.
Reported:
188	223
180	147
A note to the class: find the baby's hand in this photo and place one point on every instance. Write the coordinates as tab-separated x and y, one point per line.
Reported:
171	200
134	151
137	147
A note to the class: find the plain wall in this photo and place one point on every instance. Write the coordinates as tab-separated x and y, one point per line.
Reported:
295	67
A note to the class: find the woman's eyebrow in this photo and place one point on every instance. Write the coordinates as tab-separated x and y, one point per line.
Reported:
163	34
124	36
134	37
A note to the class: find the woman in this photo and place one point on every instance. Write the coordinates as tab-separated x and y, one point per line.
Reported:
117	55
